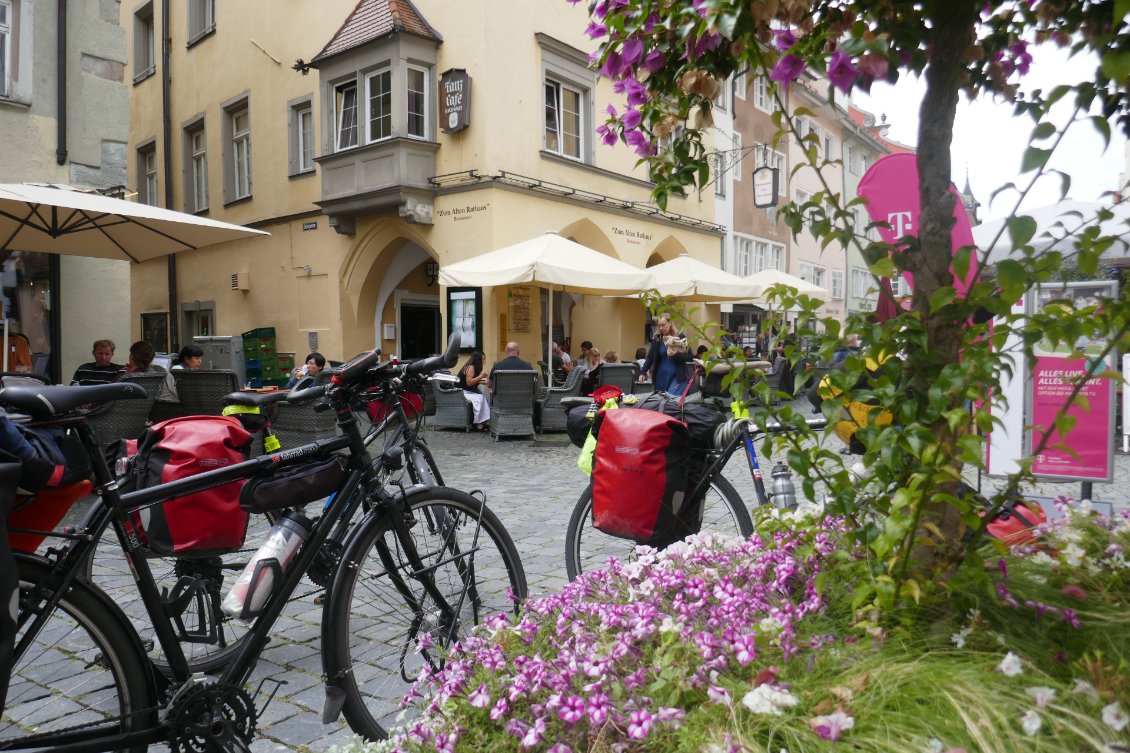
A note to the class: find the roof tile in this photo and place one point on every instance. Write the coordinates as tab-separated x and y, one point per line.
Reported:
373	19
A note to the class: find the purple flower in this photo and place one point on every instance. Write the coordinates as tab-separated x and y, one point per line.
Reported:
501	708
607	135
598	706
745	649
479	697
842	72
423	642
654	61
639	724
637	92
783	39
630	51
612	66
595	30
831	726
560	747
572	709
700	8
632	119
719	695
787	69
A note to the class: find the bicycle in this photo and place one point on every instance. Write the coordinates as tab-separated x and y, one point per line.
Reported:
421	566
723	509
208	636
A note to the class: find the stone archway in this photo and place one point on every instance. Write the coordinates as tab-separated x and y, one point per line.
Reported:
667	249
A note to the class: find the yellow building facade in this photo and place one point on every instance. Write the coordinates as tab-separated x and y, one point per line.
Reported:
376	142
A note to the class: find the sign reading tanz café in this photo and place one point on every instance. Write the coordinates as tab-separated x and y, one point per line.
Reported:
454	100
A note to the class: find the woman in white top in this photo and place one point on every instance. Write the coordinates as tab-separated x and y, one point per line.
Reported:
190	357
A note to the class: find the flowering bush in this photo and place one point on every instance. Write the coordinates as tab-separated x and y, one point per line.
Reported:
716	645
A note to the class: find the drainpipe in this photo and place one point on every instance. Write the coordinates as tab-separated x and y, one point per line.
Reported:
61	88
167	137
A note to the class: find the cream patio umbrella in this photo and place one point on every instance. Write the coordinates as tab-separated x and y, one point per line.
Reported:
767	278
687	279
1055	223
58	219
552	262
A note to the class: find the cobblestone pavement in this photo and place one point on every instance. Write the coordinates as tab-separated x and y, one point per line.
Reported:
532	486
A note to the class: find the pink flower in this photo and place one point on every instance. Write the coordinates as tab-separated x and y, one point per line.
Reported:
745	649
842	72
783	39
572	709
720	695
787	69
1073	591
831	726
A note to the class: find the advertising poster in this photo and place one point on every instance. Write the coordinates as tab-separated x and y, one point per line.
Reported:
1086	452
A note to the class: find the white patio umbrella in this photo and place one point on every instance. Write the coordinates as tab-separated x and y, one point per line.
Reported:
688	279
1053	223
552	262
767	278
57	219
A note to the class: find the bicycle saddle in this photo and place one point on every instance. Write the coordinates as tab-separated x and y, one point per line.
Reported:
45	402
256	399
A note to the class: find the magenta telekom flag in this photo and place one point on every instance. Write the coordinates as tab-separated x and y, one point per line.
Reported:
891	189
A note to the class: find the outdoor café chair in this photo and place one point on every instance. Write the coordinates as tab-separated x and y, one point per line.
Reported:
512	403
202	391
125	419
622	375
453	409
295	425
552	414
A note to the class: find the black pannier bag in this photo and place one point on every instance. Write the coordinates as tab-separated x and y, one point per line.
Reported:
294	486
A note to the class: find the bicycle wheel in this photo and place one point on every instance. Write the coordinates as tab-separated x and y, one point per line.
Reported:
587	548
194	586
85	669
378	611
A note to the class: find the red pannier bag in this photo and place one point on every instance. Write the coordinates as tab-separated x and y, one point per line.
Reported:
412	403
203	524
639	475
1016	523
42	511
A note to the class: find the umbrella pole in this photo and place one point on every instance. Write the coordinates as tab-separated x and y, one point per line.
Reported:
6	348
549	338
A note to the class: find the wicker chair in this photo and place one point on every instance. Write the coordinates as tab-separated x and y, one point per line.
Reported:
298	424
622	375
202	391
429	398
512	403
453	409
549	403
125	419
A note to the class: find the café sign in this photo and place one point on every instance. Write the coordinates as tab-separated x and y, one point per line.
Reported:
454	100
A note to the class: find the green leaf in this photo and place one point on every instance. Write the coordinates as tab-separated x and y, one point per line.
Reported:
1020	230
1116	65
1012	278
1034	159
726	23
1102	125
1042	131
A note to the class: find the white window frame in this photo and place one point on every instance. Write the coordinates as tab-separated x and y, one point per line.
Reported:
719	174
196	163
765	156
740	85
147	185
557	128
829	145
849	159
378	100
236	134
563	65
900	287
763	99
743	255
776	256
201	19
6	20
300	129
818	275
861	284
346	116
425	102
836	282
864	162
802	197
806	271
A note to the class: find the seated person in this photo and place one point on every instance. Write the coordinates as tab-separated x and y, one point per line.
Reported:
512	362
591	366
189	357
470	377
101	370
611	357
314	364
141	355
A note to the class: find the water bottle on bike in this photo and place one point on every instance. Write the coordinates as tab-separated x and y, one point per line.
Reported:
256	582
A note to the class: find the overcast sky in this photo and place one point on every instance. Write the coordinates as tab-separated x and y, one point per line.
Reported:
990	140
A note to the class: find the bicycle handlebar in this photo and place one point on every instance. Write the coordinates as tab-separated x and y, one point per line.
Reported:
435	363
727	432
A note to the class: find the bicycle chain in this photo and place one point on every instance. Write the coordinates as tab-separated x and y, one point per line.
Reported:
203	715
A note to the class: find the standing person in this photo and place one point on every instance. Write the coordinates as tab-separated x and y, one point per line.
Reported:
102	370
512	362
470	377
189	357
314	364
666	363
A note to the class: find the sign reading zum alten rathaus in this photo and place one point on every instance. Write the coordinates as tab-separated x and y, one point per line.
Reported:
454	100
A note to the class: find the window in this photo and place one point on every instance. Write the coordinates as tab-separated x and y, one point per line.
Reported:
763	98
300	121
766	156
196	161
418	98
743	254
723	92
241	152
837	280
861	285
563	119
776	257
345	115
236	142
802	198
5	46
144	44
379	94
849	159
814	274
805	270
567	85
829	146
719	173
201	19
901	287
864	162
767	255
741	84
147	173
